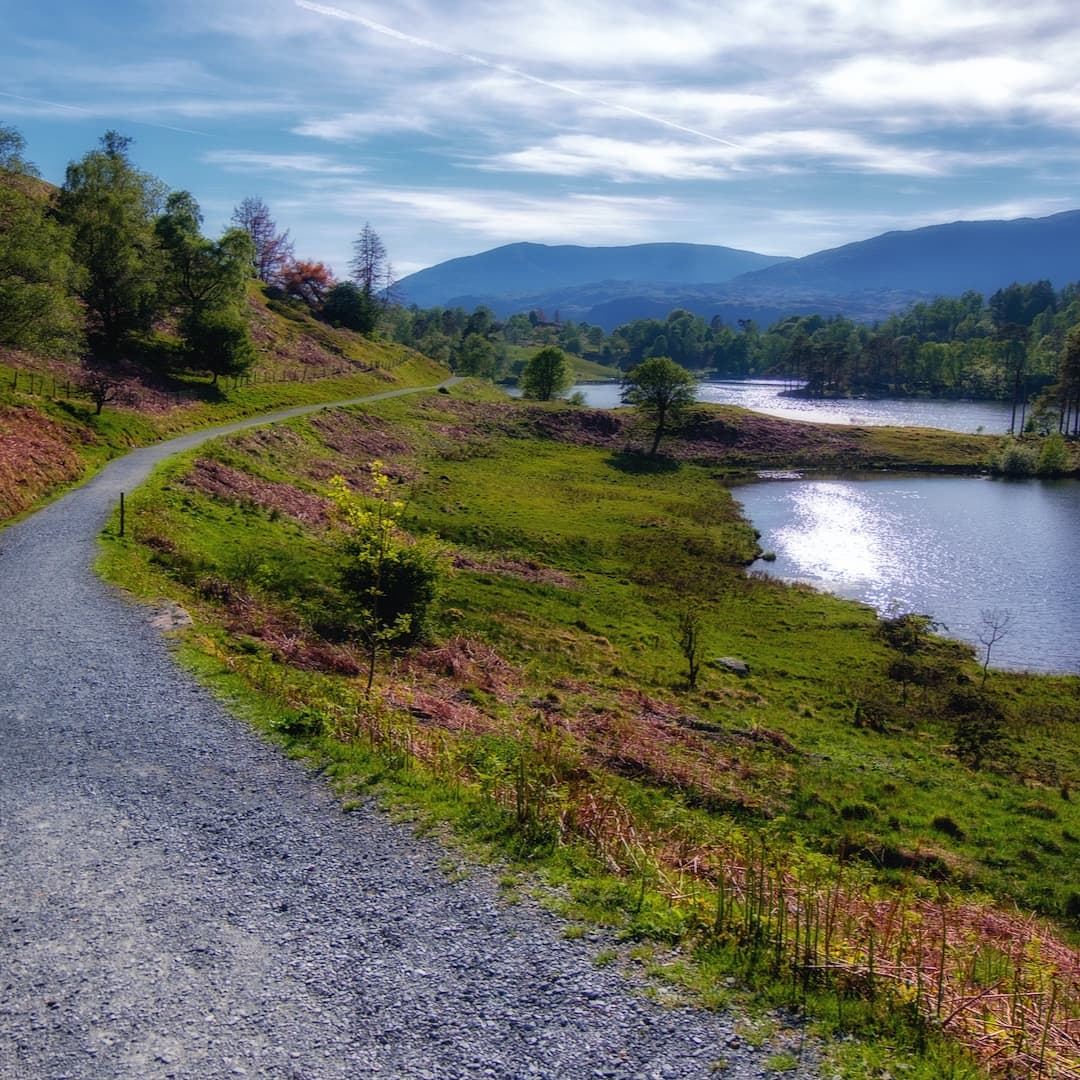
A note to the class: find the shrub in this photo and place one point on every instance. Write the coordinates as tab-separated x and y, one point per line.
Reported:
392	582
945	824
1053	457
1015	459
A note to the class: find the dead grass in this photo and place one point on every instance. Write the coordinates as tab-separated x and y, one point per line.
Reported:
36	455
225	482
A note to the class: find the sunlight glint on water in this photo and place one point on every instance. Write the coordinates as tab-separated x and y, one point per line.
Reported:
947	547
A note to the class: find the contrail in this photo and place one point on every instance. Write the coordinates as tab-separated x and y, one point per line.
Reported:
506	69
96	112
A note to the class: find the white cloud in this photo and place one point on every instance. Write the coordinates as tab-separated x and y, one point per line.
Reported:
620	159
351	126
987	83
251	161
766	152
506	215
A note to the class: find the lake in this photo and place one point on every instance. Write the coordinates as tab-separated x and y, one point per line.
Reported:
948	547
763	395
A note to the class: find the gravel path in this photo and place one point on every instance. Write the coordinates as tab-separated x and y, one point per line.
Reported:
178	900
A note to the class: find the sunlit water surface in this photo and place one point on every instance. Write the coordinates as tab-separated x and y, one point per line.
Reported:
763	395
948	547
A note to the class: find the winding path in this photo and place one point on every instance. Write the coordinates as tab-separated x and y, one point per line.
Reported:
179	900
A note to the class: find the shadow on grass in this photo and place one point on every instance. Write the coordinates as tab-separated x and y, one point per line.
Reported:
639	463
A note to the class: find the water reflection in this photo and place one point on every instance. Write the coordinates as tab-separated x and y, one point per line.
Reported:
948	547
763	395
835	534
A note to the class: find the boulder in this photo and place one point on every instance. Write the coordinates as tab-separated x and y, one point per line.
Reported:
730	663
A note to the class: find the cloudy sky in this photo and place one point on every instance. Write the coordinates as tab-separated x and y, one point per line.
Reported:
780	126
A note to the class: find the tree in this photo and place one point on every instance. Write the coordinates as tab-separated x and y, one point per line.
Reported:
201	274
996	624
660	387
475	356
12	146
691	639
101	386
218	340
307	281
110	207
348	305
370	267
392	584
1067	388
38	309
546	375
978	724
273	250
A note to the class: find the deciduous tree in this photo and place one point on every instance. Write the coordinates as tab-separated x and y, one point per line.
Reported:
475	356
201	274
546	375
110	207
38	309
392	583
273	249
662	389
307	281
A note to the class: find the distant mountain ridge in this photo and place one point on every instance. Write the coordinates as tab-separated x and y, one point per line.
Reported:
865	280
521	269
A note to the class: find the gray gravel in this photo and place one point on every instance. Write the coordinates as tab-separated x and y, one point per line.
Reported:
178	900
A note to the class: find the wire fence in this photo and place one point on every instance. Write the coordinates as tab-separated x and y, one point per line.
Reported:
49	384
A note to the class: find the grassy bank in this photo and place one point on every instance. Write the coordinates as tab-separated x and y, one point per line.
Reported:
809	831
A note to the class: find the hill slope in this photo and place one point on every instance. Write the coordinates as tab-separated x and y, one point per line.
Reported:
939	259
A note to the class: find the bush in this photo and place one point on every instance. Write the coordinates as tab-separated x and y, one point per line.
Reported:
407	582
1053	457
1014	458
945	824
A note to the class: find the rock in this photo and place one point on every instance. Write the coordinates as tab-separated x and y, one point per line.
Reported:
730	663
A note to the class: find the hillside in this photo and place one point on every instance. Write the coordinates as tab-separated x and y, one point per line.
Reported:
51	435
942	260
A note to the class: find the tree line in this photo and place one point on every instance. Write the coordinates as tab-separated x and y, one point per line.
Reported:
1020	345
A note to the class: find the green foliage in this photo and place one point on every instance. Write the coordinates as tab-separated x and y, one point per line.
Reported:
547	375
38	309
662	389
110	207
12	148
475	356
1053	457
350	306
201	275
1016	458
218	341
392	584
978	724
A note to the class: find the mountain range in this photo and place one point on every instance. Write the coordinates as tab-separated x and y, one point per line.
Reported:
866	280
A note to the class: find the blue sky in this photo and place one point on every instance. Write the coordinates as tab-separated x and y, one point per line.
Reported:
774	125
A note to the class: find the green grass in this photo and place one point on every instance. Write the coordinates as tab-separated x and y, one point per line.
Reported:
559	729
